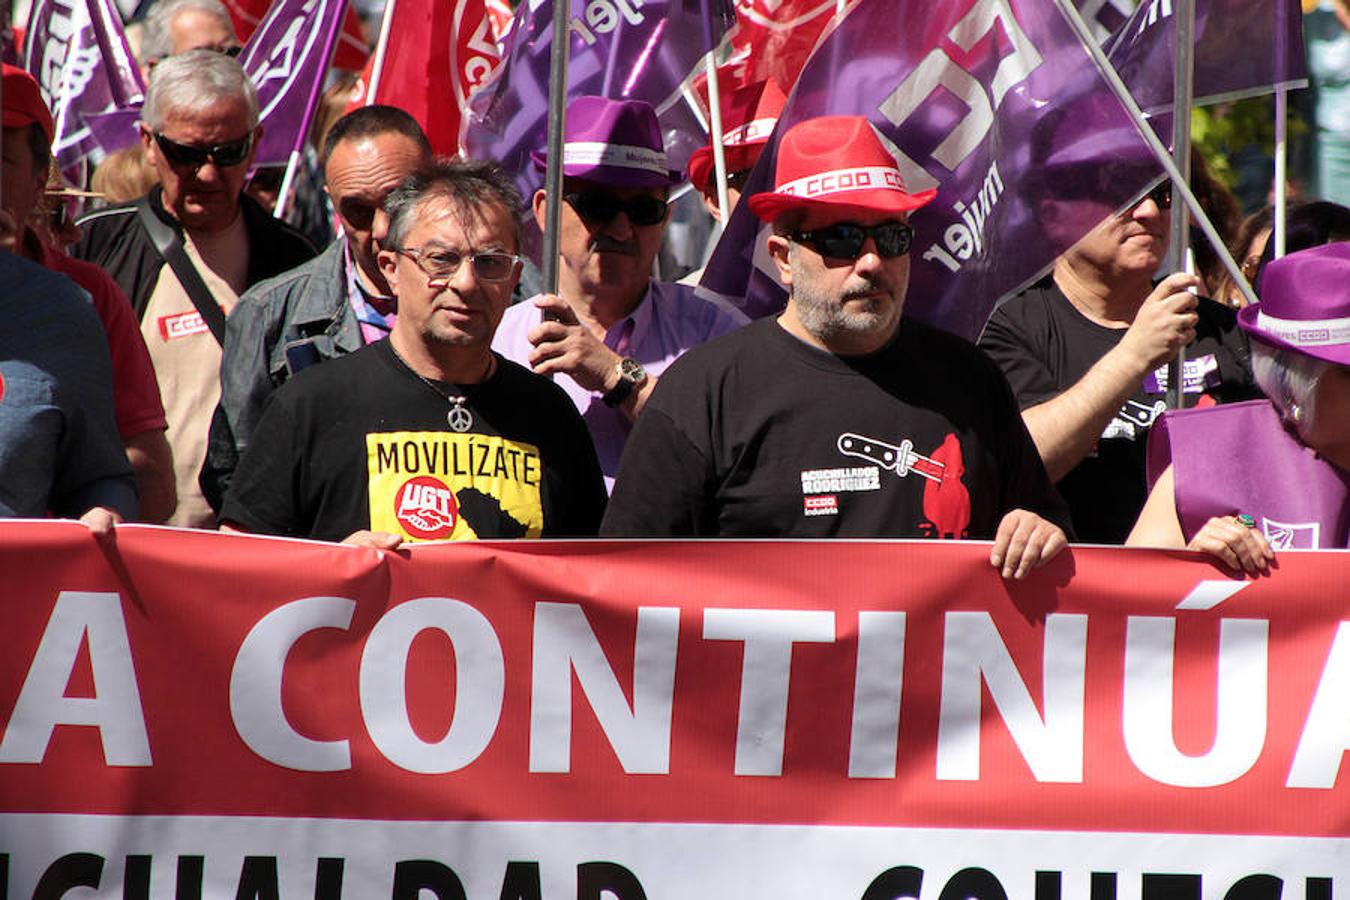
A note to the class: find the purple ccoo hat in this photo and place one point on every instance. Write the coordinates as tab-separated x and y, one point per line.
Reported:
614	142
1305	304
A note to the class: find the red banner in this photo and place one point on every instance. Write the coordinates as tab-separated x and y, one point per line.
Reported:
353	50
747	719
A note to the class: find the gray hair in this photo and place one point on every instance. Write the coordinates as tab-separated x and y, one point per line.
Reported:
1289	379
467	184
195	81
157	42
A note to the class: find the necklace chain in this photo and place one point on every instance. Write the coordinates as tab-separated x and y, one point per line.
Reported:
460	417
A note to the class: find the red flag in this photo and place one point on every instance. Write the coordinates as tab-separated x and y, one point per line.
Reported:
431	50
353	49
773	38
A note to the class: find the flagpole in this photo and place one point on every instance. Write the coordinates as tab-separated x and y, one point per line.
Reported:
1280	229
1183	93
715	120
1179	184
381	46
557	112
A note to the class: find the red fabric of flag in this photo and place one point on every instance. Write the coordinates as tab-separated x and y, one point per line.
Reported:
435	51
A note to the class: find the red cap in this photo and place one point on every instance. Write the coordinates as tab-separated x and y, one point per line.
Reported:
749	115
836	162
23	101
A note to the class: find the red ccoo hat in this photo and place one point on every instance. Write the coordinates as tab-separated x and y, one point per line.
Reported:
749	115
836	162
23	102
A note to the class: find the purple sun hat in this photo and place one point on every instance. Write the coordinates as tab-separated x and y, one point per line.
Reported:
1305	304
614	142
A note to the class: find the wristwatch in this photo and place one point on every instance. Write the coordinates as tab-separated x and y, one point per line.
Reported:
631	377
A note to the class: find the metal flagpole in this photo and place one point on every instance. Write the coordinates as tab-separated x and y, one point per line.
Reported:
1279	229
381	46
1183	93
715	120
553	176
1179	185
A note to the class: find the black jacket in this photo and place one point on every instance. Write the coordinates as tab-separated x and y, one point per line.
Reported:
115	239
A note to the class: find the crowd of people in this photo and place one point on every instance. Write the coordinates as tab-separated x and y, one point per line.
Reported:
396	386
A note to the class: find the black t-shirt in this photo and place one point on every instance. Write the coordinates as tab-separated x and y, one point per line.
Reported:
758	434
360	442
1045	345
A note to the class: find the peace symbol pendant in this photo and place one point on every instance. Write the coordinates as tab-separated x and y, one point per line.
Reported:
459	419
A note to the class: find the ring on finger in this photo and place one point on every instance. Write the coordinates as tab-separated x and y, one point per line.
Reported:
1245	520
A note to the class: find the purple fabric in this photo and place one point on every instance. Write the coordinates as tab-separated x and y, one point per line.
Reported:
668	321
287	57
647	54
1241	49
1239	458
1032	91
78	53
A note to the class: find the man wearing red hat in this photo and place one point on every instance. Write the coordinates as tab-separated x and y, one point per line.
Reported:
840	417
28	136
749	115
611	330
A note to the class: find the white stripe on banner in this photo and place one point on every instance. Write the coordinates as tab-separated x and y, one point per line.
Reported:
1306	332
595	153
244	856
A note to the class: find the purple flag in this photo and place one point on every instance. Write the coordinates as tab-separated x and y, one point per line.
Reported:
78	53
622	49
1241	49
287	58
997	105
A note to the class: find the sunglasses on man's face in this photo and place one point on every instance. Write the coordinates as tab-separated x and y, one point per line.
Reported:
184	156
846	240
1160	195
602	207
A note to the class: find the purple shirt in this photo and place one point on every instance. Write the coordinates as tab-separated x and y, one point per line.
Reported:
669	320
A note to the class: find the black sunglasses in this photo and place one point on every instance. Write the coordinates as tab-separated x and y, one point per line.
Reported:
602	207
183	156
1161	195
846	240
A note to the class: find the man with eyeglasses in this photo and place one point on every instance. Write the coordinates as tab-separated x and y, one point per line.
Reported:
428	435
335	303
187	250
839	418
612	329
1086	349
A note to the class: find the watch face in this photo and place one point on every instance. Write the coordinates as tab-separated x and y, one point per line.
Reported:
631	370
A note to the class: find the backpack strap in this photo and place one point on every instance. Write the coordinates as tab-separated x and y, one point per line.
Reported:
170	246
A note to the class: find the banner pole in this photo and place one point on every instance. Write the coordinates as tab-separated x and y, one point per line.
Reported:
1183	93
284	193
715	120
1164	158
381	46
557	112
1280	229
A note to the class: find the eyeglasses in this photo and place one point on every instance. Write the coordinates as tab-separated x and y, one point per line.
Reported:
846	240
736	180
1160	195
441	265
183	156
602	207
